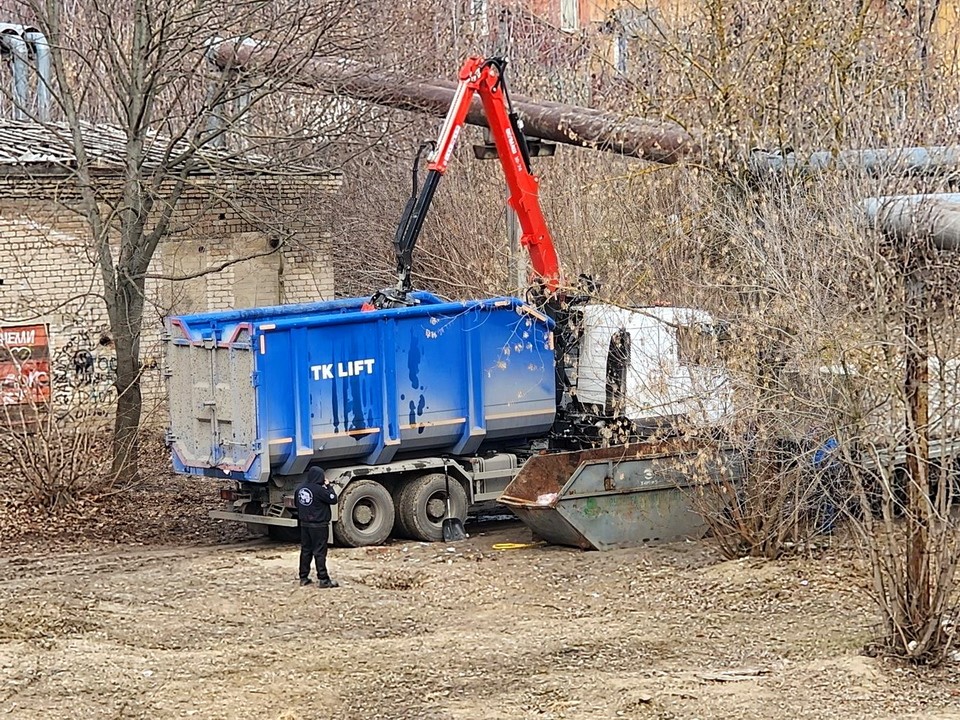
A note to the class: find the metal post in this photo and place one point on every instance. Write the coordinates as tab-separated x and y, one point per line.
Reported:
516	271
19	52
517	267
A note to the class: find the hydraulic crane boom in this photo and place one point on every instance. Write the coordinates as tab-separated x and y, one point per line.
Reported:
486	78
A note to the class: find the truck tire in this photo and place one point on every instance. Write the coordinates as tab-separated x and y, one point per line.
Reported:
399	529
366	514
422	506
279	533
255	529
283	534
274	532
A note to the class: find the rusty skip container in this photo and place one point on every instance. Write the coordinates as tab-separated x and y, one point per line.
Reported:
270	391
622	496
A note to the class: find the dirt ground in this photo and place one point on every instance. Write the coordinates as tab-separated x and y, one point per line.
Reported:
139	606
143	628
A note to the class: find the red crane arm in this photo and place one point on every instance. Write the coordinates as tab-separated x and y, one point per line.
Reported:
485	77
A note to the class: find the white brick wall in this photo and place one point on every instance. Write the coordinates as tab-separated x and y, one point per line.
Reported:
48	269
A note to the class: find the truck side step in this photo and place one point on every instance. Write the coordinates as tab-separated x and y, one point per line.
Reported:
257	519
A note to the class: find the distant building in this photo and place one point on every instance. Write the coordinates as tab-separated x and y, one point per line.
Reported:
620	24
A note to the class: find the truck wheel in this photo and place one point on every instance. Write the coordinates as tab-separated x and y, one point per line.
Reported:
399	529
423	505
366	514
255	529
281	533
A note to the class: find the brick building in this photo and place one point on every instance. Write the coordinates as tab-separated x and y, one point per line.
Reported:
241	236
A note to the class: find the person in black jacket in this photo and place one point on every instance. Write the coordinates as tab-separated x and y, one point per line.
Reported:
314	498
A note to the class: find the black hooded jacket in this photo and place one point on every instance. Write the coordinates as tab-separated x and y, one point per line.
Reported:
314	499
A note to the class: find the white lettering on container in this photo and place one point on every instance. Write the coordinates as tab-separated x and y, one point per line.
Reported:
351	368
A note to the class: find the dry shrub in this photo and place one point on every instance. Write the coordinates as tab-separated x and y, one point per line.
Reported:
53	460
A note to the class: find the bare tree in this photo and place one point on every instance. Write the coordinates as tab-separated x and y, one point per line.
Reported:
143	67
827	318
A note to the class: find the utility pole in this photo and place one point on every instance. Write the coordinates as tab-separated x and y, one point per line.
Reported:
517	268
516	265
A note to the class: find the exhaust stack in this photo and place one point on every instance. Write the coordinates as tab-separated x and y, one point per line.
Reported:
27	48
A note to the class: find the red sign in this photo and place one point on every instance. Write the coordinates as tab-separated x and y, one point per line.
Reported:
24	365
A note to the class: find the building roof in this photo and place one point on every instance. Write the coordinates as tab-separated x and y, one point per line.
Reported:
47	148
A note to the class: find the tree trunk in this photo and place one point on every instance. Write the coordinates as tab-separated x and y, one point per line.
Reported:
918	452
126	319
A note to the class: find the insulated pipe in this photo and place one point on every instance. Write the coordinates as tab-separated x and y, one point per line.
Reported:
232	53
215	119
568	124
935	217
228	56
41	50
935	160
661	142
17	46
543	103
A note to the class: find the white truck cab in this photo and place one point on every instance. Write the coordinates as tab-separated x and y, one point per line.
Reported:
650	364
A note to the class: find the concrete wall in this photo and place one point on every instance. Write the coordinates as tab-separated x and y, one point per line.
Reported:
49	273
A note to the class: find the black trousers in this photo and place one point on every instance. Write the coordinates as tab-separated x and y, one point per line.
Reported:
313	545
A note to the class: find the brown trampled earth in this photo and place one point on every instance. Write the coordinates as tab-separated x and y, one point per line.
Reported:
176	616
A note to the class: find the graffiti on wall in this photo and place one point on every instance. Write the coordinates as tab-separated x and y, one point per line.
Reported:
24	365
84	367
73	366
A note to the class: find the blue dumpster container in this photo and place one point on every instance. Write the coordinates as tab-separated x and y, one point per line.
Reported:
272	390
